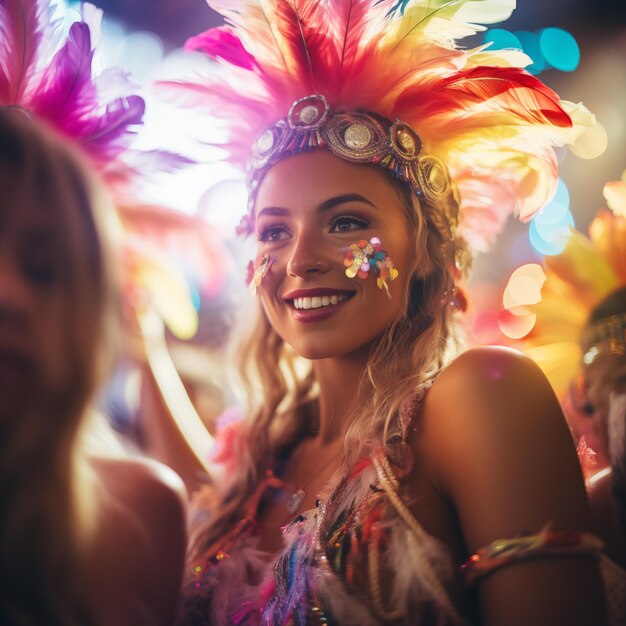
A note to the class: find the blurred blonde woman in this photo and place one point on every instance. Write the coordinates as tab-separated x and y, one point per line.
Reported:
87	536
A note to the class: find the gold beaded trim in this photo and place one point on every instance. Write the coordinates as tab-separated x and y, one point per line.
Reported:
357	137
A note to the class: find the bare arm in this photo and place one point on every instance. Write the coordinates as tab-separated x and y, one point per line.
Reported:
500	451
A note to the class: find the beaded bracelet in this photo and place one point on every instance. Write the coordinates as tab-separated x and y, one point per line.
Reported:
547	543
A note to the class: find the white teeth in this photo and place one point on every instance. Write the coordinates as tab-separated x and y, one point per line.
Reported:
317	302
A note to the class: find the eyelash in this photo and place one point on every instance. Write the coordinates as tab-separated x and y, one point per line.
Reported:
362	222
265	234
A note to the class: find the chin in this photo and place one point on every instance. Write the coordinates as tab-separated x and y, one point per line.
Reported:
319	350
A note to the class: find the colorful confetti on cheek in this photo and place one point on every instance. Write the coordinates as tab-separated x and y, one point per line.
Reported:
258	270
364	257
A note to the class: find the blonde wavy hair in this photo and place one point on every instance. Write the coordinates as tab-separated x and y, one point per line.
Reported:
46	484
280	387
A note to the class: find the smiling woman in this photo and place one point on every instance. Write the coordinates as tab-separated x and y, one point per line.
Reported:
375	478
320	217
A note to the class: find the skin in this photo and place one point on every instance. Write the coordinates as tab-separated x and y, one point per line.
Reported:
493	453
139	551
29	341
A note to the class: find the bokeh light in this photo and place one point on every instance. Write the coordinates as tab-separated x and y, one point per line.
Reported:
224	204
516	326
524	286
531	46
591	143
552	226
561	195
501	39
560	49
485	329
523	289
547	48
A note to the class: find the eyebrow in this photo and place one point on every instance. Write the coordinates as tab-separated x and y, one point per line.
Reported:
324	206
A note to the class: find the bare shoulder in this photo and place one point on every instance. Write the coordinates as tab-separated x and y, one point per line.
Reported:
492	411
490	397
140	543
145	481
498	448
486	375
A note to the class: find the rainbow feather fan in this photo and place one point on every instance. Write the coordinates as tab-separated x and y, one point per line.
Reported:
478	110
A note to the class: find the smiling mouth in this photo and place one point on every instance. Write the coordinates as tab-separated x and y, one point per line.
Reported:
319	302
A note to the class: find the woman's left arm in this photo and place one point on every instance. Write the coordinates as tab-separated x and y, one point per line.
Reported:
500	450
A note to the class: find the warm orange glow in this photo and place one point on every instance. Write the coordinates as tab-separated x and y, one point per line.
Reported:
524	286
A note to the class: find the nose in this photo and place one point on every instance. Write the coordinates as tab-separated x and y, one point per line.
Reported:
307	256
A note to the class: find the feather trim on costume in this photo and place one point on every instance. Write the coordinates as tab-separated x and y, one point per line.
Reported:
343	604
411	592
232	585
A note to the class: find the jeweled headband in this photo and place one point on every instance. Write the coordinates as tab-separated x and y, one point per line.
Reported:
357	137
475	109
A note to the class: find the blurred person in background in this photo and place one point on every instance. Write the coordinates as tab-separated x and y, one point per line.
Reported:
87	535
604	368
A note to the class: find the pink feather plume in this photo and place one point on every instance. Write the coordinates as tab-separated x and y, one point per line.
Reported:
479	111
55	81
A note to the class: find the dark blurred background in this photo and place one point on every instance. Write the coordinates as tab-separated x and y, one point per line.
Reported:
175	20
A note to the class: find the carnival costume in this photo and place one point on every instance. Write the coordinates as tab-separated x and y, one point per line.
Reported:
473	135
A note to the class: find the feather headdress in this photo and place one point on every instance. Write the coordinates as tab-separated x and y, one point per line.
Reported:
493	124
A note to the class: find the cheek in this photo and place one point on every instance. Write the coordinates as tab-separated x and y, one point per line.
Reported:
55	343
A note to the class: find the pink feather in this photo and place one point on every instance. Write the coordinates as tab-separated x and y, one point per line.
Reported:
68	99
105	136
66	95
222	43
352	18
25	27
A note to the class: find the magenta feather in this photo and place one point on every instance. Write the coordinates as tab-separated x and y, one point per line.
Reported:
105	136
399	60
66	94
222	43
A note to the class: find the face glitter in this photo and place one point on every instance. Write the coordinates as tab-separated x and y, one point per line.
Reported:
364	257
